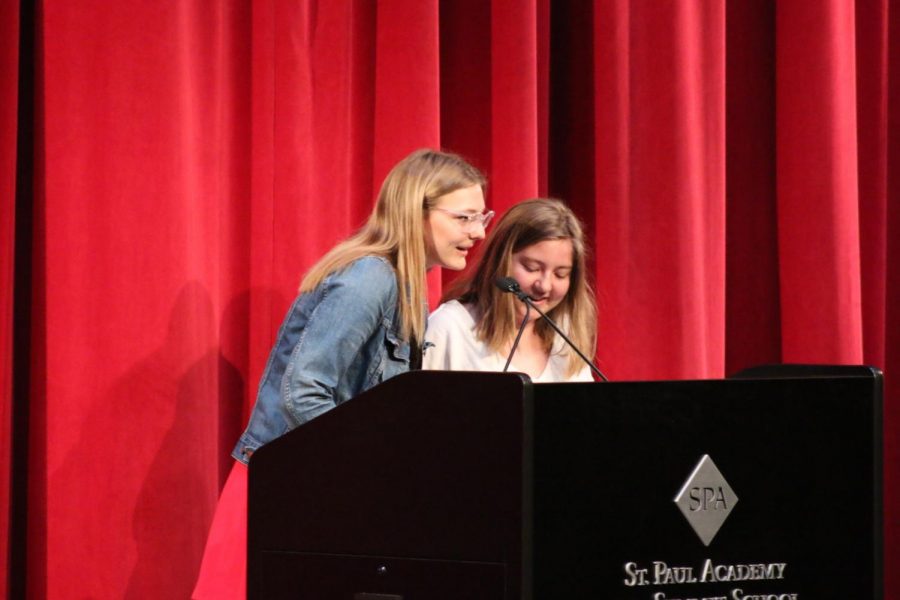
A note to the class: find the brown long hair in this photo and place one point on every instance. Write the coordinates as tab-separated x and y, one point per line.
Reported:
523	225
395	228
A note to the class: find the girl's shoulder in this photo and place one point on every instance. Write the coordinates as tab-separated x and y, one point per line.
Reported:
368	281
372	273
452	312
372	264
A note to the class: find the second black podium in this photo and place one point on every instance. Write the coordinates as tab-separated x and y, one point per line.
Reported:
481	485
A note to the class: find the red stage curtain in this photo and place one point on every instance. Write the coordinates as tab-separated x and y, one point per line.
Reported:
732	162
143	228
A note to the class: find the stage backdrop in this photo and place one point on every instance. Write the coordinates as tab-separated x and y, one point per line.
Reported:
169	169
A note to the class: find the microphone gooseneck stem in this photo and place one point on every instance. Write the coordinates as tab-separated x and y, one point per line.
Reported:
518	337
528	302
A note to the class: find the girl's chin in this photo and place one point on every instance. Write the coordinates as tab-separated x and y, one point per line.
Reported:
456	264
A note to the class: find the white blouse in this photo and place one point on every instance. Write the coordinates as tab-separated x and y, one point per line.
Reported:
452	345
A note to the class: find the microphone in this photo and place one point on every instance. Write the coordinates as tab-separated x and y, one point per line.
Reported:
510	285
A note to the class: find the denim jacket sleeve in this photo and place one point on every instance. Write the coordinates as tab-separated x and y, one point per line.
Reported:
354	304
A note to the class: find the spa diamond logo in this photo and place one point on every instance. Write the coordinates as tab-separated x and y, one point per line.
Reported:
706	500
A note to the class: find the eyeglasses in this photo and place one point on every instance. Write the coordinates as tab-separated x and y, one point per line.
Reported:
468	221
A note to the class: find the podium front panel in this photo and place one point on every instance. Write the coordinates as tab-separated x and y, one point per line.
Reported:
429	469
798	488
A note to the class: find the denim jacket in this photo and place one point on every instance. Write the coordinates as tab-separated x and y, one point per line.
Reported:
336	341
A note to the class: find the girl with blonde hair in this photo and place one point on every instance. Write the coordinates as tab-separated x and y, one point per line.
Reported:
540	244
358	320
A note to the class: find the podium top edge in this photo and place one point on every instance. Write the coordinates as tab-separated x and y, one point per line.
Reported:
808	371
760	372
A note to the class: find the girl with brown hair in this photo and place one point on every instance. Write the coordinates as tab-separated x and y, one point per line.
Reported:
539	243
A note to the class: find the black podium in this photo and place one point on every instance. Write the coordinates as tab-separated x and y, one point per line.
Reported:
438	485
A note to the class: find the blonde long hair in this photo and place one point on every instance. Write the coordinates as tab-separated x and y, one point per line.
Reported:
523	225
395	228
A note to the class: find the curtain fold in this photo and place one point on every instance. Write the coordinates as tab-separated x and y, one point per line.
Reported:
514	102
9	101
871	115
660	200
734	162
752	283
818	200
